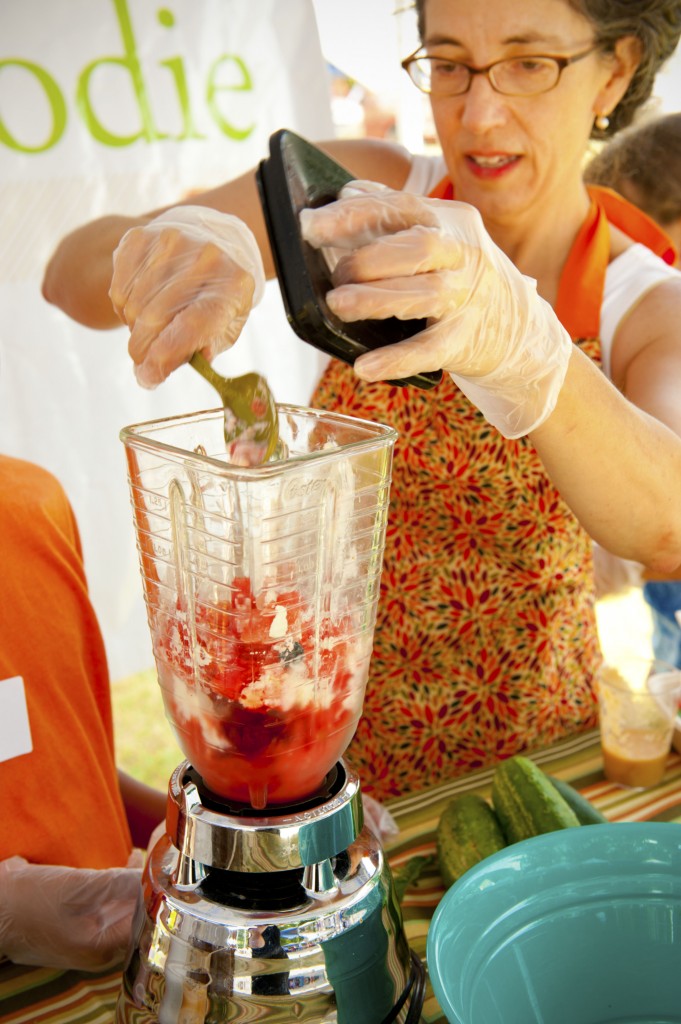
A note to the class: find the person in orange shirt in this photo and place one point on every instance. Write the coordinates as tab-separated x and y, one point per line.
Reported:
69	874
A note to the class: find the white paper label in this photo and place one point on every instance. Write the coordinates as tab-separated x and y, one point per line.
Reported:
15	729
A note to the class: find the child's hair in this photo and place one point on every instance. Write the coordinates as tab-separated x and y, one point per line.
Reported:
643	163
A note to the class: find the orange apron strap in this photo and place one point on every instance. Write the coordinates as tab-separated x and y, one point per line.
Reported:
584	276
634	222
443	190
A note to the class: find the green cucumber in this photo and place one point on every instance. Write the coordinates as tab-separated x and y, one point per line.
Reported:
468	831
526	802
586	813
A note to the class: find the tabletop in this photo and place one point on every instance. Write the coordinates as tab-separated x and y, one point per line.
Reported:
43	996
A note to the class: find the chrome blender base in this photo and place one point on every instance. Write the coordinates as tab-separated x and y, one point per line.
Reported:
289	917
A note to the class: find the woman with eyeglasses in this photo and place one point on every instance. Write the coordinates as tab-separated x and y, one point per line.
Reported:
486	641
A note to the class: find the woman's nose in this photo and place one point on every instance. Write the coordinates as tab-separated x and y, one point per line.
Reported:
483	107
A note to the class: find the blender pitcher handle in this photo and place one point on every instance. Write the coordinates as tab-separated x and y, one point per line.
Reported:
178	525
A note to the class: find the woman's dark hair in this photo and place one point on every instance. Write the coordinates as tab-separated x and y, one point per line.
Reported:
644	163
657	25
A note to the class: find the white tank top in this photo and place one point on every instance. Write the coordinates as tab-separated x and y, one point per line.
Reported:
627	278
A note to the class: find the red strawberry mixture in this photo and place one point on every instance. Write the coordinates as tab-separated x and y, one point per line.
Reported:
265	698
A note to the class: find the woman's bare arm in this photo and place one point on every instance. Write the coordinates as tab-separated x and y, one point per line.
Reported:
615	455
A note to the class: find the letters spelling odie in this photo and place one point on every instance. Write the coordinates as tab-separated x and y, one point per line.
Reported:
131	64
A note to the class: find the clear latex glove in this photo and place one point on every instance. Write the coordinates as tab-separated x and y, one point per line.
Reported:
378	819
69	918
184	283
411	257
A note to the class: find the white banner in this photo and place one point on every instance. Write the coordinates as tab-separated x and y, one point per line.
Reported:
118	106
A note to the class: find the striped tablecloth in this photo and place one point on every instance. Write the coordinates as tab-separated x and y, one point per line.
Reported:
41	996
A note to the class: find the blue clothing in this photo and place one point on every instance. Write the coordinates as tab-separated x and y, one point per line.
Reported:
664	599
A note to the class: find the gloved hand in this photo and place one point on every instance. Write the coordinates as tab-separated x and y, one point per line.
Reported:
184	283
70	918
411	257
378	818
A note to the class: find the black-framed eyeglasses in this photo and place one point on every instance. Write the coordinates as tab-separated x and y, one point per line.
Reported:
515	76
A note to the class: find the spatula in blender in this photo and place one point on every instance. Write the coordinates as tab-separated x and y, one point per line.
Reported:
251	421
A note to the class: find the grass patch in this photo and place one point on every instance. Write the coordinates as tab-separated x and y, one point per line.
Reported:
145	745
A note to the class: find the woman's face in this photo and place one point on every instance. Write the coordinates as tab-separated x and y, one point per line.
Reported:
507	154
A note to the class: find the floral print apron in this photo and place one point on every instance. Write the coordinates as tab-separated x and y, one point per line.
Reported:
486	641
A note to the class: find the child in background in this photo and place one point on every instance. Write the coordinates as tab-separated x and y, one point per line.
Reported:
643	164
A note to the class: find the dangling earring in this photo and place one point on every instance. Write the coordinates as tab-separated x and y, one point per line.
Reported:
602	121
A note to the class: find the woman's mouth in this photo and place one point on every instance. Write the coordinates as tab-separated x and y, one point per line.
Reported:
490	165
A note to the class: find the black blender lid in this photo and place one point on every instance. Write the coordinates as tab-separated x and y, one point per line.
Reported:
297	175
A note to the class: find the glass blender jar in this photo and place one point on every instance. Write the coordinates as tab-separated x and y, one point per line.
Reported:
261	586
